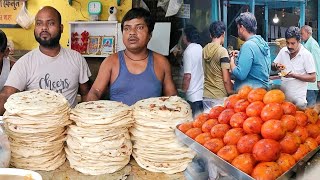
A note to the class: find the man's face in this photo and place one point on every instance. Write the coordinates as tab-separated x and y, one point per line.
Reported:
292	45
240	32
135	34
47	28
304	35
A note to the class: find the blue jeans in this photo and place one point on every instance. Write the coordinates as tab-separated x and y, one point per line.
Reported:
312	97
197	107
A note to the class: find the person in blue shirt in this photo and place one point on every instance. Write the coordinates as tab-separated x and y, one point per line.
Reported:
252	65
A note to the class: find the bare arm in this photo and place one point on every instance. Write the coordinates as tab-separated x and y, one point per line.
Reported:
227	81
186	82
4	95
169	88
84	90
310	77
101	83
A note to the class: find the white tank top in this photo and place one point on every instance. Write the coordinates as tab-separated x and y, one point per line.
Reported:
5	72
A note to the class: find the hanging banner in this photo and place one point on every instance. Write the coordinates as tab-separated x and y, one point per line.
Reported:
184	11
9	10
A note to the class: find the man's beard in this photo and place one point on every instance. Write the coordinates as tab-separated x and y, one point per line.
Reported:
49	43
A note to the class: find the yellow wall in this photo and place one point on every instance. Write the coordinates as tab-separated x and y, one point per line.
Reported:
24	39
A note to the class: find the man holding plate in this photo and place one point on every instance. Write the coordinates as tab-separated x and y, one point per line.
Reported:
297	68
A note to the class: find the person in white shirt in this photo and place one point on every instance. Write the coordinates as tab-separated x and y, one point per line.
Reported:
297	66
193	78
49	66
5	63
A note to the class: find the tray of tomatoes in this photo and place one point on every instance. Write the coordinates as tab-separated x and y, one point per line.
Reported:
255	134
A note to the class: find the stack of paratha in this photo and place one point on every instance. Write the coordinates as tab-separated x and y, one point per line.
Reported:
99	143
35	122
155	146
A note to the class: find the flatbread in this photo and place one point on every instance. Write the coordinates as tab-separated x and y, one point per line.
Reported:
35	122
99	141
155	146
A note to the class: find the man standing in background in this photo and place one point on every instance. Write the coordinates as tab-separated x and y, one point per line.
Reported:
312	46
216	64
253	63
298	64
192	67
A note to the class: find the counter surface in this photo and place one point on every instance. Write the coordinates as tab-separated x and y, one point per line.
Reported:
132	172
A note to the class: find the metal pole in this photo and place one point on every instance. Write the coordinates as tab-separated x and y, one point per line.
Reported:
225	20
252	6
214	10
302	14
266	20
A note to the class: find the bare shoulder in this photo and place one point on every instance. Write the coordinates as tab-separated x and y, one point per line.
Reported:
160	60
110	61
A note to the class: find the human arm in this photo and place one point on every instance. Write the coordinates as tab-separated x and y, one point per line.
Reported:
168	86
309	67
227	81
4	95
186	82
226	77
277	66
84	90
187	67
245	60
101	83
309	77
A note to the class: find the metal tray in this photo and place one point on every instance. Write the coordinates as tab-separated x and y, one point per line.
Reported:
209	157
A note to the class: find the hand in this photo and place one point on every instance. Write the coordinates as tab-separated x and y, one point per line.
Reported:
234	53
318	83
290	75
279	66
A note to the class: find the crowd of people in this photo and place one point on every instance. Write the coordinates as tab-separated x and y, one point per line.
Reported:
211	73
225	72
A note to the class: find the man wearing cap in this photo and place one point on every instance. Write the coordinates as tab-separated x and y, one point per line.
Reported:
252	65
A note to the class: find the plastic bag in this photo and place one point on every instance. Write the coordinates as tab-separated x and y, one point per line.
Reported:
24	18
5	152
173	7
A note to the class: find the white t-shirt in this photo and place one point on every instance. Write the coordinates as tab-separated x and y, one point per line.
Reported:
295	89
62	73
192	63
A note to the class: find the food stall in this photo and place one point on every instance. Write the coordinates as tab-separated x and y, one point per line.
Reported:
268	6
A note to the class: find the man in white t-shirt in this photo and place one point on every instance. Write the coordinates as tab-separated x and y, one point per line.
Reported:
193	77
297	66
50	66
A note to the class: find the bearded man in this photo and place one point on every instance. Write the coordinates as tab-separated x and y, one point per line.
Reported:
49	66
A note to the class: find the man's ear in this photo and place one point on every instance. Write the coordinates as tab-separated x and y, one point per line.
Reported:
61	27
6	52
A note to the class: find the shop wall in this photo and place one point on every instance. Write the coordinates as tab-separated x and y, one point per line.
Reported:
24	39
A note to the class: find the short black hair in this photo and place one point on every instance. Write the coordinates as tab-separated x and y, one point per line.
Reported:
3	41
139	13
248	21
293	32
192	34
217	29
